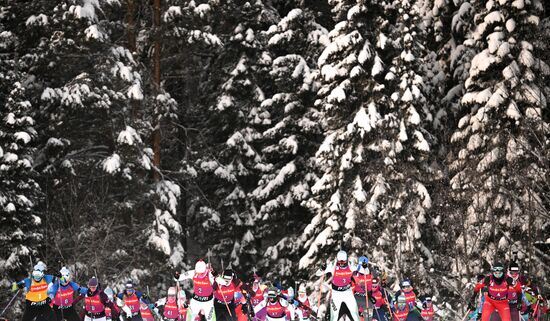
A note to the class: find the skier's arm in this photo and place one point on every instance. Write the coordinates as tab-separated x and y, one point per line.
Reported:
143	297
108	303
185	275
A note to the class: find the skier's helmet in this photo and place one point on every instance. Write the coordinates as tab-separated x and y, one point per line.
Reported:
65	275
93	284
272	294
172	291
41	266
498	270
129	287
514	267
200	267
342	258
228	275
427	301
406	285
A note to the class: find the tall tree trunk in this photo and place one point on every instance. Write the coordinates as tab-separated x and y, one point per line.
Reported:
156	84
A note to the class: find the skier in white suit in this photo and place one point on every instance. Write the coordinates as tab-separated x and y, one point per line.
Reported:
342	301
203	292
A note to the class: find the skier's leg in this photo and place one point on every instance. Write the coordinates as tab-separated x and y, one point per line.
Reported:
194	309
336	300
361	305
209	312
351	304
220	311
344	311
28	314
514	314
72	315
503	309
57	313
351	312
487	310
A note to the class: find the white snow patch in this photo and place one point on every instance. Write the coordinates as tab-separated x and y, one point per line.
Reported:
22	136
112	164
128	136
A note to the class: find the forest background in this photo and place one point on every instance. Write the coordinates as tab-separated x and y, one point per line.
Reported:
138	136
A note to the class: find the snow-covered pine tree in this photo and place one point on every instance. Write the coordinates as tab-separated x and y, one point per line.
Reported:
21	218
234	165
414	78
188	44
373	195
93	129
289	143
350	100
20	222
495	172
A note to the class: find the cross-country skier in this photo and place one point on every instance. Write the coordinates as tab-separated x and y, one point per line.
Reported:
95	302
497	285
407	290
38	297
254	293
276	306
377	297
145	312
203	299
514	300
64	296
131	300
362	284
111	296
402	311
427	311
303	306
342	301
173	307
226	292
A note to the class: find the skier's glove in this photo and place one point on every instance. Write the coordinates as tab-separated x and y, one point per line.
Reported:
471	306
519	305
14	287
245	309
177	275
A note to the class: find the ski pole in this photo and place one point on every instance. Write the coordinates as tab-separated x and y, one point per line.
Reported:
467	312
223	295
387	302
9	303
366	296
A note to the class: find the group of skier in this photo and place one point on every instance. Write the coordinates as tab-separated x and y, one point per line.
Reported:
354	290
506	296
